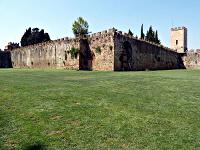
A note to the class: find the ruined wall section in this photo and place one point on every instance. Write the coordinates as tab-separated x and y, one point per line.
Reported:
102	47
132	54
5	60
52	54
192	60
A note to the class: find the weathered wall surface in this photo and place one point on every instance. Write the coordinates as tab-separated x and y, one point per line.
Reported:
103	41
192	60
95	53
53	54
107	50
179	39
135	54
5	60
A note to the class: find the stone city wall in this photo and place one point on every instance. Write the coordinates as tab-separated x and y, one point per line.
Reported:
52	54
96	51
192	60
107	50
102	47
132	54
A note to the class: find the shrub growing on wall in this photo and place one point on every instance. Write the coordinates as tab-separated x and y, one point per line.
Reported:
98	50
74	53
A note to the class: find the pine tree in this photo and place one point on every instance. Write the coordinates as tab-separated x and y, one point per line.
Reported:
34	36
156	38
142	32
152	36
80	27
130	32
147	36
24	39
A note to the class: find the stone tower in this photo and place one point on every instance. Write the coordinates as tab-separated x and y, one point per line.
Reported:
179	39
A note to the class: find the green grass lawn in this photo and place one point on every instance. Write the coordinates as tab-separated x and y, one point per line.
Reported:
59	109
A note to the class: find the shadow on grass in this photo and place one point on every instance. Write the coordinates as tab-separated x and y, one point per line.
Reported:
35	146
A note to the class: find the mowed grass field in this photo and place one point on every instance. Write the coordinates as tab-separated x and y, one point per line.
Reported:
60	109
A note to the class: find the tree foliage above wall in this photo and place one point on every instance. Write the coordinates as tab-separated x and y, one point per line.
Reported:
142	32
130	32
34	36
152	36
80	27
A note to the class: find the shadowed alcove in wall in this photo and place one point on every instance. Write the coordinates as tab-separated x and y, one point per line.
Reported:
126	57
85	55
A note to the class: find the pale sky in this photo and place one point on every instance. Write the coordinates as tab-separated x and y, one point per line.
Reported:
56	17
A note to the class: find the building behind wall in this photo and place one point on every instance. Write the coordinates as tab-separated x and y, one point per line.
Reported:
179	39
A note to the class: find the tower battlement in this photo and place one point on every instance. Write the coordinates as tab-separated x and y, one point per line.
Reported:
178	28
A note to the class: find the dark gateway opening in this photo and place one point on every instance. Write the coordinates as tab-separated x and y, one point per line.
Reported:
85	55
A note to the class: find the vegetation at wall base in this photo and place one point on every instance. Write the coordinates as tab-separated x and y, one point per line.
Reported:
59	109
